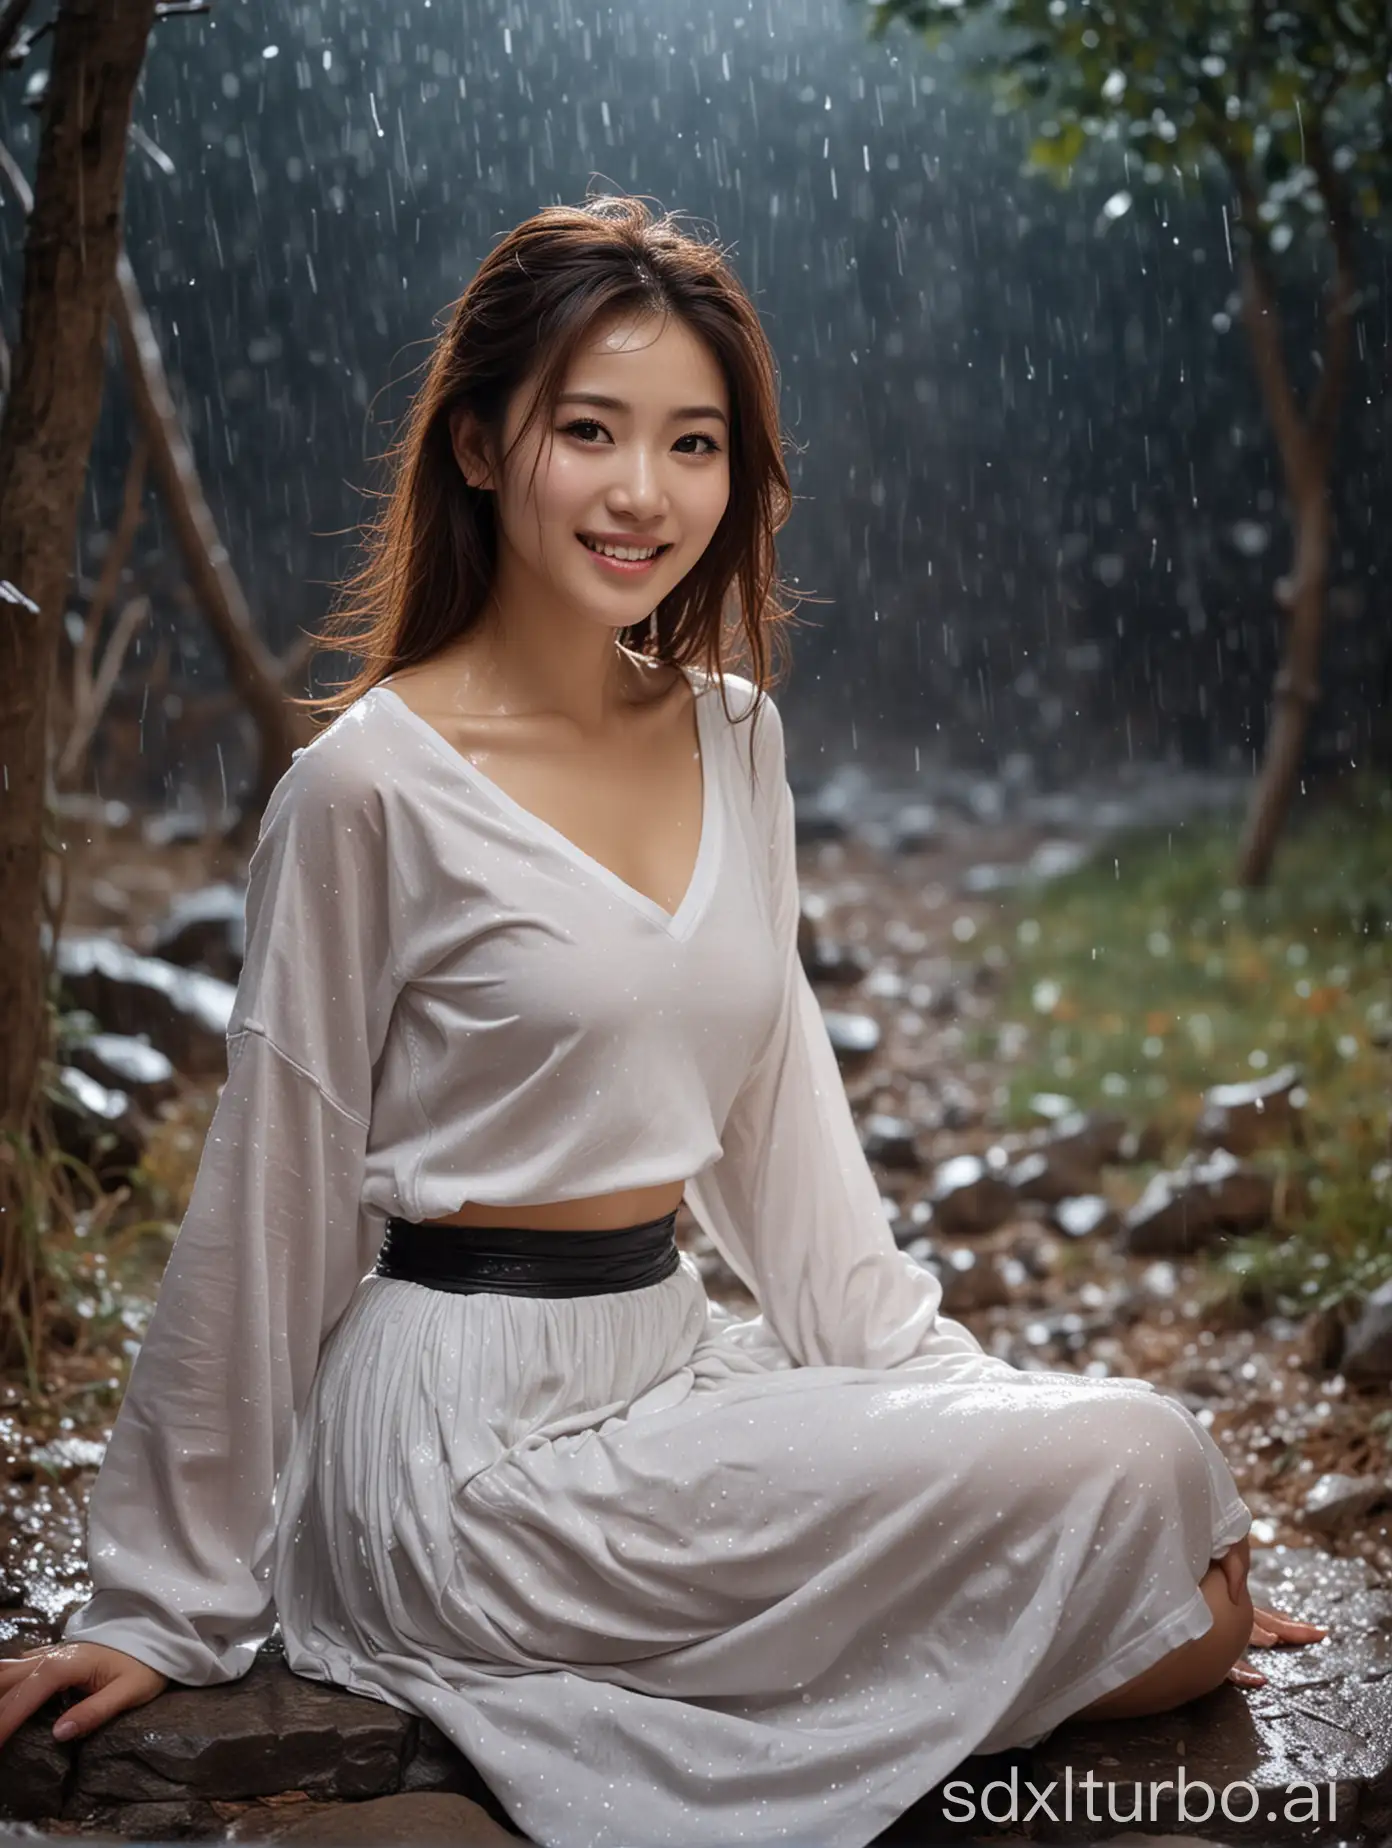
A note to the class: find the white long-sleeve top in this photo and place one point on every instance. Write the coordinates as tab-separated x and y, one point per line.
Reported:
444	1000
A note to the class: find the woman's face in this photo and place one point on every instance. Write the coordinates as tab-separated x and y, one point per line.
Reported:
637	456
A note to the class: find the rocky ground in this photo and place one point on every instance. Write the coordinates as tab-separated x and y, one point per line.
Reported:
1067	1239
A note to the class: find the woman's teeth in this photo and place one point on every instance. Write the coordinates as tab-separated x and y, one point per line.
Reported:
627	553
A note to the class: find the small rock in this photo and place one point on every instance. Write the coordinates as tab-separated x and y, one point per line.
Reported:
129	1064
183	1012
1033	1254
1323	1335
1085	1216
1053	1106
971	1280
991	878
1183	1211
907	1226
944	1003
1092	1138
853	1036
1144	1144
958	1109
175	828
826	960
968	1197
1367	1355
410	1817
1243	1117
205	929
1335	1499
1051	1175
1066	1329
890	1140
62	1458
96	811
94	1123
1204	1383
1054	859
1159	1281
178	1819
114	900
915	827
818	819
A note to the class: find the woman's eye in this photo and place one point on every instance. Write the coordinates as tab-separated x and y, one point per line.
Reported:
582	427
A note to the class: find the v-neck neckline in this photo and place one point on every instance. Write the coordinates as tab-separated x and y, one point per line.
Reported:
678	923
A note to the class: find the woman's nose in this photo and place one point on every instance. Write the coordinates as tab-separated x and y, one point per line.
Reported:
639	485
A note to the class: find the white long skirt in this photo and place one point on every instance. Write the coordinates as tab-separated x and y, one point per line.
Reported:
660	1586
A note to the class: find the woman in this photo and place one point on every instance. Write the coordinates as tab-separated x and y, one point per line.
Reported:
522	962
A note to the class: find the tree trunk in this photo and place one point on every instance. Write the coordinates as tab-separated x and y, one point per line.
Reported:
252	669
1296	692
71	241
1305	443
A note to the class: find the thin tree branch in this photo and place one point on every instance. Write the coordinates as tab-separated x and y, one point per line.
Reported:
1261	317
112	566
13	175
1328	394
296	658
11	22
99	693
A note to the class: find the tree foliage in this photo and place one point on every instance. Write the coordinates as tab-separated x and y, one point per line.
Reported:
1291	105
1292	101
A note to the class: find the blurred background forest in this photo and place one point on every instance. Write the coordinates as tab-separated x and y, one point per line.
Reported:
1035	482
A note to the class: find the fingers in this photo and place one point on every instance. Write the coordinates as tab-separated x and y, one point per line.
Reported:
38	1683
1245	1676
85	1716
1272	1627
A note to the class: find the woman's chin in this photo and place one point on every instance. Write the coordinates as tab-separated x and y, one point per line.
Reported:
618	610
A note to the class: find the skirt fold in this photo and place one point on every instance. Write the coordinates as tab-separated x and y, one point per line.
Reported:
661	1586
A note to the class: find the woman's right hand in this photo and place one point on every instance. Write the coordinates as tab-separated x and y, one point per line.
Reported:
111	1679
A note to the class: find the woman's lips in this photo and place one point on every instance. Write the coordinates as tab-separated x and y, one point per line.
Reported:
625	567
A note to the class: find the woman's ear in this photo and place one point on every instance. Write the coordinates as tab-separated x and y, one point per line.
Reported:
470	448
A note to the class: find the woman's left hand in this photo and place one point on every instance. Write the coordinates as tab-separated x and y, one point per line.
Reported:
1268	1629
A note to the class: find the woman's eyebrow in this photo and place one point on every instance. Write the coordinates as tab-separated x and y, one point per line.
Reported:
619	404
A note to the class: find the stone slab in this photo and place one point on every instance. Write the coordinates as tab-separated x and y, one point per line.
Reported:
1323	1721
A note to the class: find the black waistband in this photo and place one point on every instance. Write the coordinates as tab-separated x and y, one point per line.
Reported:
525	1261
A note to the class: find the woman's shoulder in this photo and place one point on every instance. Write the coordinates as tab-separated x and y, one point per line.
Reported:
342	773
742	696
751	713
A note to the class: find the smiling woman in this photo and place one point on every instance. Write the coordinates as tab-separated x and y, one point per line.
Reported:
429	1379
630	496
588	342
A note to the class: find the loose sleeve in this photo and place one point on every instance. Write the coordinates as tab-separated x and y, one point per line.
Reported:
180	1519
791	1202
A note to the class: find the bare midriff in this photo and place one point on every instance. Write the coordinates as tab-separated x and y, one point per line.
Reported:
596	1213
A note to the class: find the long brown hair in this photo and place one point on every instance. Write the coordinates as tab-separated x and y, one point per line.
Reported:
431	556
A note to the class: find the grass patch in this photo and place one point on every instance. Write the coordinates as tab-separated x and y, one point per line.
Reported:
1147	976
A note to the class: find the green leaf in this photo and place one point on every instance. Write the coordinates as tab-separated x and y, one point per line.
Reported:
1057	153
